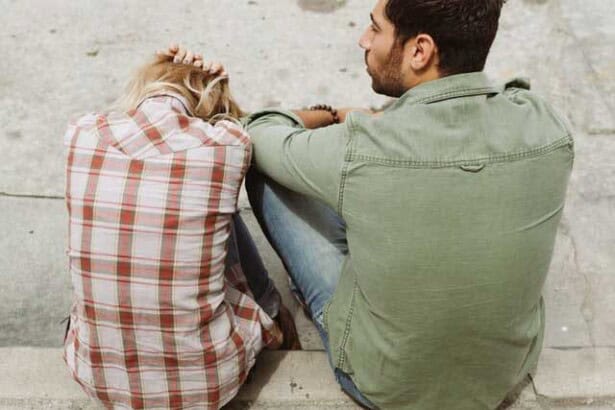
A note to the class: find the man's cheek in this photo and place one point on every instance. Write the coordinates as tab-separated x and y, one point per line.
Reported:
371	62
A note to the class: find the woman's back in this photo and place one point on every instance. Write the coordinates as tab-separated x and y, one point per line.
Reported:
156	321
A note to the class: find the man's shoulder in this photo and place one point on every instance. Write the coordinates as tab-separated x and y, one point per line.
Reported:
500	124
539	113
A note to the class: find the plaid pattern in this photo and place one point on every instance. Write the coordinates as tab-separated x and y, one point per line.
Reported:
156	321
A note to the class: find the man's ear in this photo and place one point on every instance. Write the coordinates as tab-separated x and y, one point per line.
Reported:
423	52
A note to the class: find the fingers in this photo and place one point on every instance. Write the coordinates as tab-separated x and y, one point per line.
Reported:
169	51
189	59
198	60
180	55
184	56
216	68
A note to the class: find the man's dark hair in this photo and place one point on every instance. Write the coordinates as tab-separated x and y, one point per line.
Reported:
462	29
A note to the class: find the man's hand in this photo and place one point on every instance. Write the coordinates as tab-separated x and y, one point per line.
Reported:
181	55
322	118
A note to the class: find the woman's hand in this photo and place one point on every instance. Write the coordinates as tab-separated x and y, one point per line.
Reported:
181	55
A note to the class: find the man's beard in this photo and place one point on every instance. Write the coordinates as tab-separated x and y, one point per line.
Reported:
389	81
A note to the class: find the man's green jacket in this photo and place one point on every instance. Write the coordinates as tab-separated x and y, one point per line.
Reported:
452	199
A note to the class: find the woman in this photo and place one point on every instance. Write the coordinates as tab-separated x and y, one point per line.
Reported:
163	316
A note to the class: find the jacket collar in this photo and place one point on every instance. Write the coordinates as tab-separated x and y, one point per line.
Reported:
459	85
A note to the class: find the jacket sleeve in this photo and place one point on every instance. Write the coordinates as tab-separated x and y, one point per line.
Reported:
303	160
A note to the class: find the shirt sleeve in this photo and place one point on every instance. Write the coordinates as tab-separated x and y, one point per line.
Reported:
303	160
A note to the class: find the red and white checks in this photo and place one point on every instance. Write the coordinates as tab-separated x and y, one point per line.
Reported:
156	321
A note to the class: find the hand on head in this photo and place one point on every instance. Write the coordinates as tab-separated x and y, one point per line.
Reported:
181	55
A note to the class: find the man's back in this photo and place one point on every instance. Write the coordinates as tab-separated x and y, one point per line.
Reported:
451	200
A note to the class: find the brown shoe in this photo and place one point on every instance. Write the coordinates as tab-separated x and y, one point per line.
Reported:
285	321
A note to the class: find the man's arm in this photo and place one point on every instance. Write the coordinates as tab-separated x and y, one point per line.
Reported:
322	118
315	118
301	150
308	161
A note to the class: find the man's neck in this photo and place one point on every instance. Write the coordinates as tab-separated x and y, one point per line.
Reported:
424	77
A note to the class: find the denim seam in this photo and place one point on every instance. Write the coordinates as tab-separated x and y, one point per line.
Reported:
562	124
462	92
325	316
561	142
342	356
344	172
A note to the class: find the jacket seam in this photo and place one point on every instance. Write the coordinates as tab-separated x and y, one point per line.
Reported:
344	171
342	347
464	92
562	124
561	142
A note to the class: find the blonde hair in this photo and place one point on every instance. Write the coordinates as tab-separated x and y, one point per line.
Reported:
208	96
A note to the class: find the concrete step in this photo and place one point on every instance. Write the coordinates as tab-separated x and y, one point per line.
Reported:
36	378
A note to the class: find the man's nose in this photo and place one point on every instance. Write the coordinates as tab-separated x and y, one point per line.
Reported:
364	41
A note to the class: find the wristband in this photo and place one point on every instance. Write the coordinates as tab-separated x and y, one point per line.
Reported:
331	110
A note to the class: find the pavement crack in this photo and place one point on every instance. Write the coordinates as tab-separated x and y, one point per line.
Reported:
31	196
541	399
573	348
587	311
567	29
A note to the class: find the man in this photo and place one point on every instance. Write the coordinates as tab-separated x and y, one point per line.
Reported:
420	238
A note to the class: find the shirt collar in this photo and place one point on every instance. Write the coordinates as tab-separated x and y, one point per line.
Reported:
177	101
459	85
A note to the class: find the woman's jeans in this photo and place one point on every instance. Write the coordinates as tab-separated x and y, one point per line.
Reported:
310	239
241	248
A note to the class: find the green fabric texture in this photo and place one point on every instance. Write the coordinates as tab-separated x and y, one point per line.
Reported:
452	199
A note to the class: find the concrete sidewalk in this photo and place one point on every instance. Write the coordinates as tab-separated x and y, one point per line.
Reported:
36	378
64	58
281	380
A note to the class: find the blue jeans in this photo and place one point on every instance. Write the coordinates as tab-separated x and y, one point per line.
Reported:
310	239
241	248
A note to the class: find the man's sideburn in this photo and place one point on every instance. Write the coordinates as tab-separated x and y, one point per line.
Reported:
390	82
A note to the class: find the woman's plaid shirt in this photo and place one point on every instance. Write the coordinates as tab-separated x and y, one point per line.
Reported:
156	321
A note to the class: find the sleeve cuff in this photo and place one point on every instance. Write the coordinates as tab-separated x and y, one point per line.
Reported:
278	116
